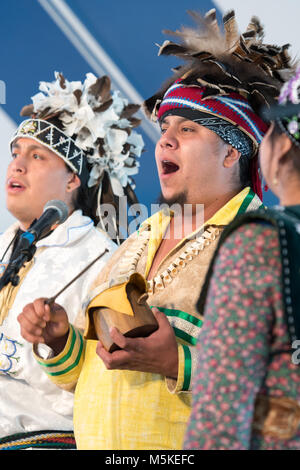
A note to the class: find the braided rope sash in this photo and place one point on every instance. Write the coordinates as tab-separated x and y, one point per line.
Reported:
39	439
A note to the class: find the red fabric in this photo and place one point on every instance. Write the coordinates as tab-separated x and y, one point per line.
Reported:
193	97
255	178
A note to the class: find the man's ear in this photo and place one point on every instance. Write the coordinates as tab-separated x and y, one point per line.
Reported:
281	145
284	144
73	182
232	157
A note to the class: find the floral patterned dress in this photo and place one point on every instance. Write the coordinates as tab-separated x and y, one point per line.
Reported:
245	350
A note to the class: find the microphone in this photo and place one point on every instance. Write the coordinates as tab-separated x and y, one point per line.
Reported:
55	212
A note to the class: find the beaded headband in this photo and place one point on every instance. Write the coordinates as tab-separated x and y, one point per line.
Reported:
55	140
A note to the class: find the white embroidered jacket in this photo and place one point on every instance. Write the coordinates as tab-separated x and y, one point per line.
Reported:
28	400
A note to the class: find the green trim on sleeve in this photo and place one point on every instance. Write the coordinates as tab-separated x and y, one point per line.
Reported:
187	368
170	312
67	355
179	328
185	336
73	346
72	366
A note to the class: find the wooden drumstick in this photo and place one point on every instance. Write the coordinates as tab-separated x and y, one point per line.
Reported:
51	300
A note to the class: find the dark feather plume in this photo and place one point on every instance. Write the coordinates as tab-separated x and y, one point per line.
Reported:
226	61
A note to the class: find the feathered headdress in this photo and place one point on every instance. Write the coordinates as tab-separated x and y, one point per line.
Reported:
226	74
91	129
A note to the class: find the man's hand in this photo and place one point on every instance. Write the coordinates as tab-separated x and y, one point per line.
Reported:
41	323
157	353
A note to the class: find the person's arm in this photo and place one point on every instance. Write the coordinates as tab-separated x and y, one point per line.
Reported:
186	328
64	368
234	341
42	325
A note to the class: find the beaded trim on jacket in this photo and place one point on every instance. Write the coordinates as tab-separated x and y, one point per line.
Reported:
129	263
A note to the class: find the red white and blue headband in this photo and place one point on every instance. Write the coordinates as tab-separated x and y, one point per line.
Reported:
230	116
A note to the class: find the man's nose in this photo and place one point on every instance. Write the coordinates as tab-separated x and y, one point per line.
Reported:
169	138
18	165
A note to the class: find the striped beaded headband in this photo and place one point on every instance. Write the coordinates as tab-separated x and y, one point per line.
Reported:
55	140
230	116
230	133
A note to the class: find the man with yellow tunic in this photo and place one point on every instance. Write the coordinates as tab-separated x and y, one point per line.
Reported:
137	396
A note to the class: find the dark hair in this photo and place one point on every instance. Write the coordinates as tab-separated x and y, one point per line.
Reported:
292	156
86	199
244	166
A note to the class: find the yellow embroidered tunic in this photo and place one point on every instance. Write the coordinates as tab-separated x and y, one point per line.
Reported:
119	409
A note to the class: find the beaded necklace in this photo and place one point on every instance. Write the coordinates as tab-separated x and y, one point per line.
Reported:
129	262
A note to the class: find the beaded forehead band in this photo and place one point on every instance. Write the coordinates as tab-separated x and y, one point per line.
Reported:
55	140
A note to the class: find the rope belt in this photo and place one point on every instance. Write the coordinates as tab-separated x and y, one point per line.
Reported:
39	439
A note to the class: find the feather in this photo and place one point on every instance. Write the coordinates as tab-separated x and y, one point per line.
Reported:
203	55
27	110
101	88
48	114
208	84
129	110
78	94
62	81
231	30
100	146
170	48
209	21
225	61
104	106
256	26
135	122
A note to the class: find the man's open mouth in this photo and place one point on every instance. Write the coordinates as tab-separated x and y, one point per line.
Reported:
15	185
169	167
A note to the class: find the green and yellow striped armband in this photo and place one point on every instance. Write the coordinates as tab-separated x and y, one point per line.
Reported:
186	328
65	367
183	382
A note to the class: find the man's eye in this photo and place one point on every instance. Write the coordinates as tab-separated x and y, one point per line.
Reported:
163	130
36	156
188	129
14	155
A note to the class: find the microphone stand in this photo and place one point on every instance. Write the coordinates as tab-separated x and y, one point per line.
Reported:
10	274
26	248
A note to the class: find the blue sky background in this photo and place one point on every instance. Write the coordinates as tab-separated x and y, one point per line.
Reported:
34	46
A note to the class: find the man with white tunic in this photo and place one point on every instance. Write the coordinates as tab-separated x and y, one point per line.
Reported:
49	161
